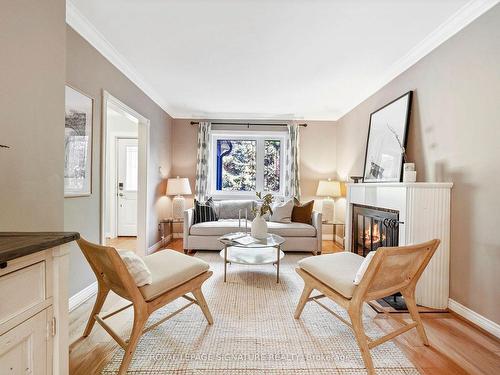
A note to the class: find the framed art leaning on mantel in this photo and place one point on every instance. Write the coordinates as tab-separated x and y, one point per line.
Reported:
386	143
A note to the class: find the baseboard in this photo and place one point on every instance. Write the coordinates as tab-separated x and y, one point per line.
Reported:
178	235
475	318
82	296
339	240
327	237
157	246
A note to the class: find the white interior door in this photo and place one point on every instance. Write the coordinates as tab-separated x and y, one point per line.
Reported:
127	183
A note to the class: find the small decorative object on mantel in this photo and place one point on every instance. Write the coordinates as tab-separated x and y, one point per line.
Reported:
259	225
356	179
409	172
387	138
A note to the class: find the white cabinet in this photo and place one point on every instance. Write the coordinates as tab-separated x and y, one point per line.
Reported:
34	314
25	348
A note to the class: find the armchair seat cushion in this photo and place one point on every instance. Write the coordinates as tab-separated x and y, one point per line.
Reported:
170	269
335	270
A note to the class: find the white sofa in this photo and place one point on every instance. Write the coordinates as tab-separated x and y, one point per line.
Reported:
205	236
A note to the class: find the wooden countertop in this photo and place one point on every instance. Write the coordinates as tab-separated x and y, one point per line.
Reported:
17	244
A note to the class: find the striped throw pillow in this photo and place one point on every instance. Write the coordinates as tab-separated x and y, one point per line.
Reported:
204	211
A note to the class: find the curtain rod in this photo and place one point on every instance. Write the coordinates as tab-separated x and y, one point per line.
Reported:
245	123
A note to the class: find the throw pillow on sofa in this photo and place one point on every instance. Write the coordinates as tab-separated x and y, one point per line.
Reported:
230	209
282	212
204	211
302	213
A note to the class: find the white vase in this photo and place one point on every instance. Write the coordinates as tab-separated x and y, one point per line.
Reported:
259	227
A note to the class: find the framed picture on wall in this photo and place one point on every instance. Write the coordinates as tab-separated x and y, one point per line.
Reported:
78	143
387	138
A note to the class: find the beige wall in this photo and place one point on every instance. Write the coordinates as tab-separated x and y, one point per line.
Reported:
454	136
317	156
90	72
32	66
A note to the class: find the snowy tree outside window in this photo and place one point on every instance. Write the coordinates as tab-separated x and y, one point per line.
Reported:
272	165
247	163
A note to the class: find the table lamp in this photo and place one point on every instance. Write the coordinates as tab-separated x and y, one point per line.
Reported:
329	189
178	187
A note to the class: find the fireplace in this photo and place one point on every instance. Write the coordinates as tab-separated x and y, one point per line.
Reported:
373	227
424	213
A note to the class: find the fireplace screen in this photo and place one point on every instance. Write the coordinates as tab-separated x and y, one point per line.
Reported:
373	227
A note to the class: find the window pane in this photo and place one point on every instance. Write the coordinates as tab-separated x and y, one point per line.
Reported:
131	172
236	165
272	165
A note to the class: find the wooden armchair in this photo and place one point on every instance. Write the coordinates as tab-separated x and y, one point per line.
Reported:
392	269
174	274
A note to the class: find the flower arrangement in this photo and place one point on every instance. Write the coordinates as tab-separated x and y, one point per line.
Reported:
265	207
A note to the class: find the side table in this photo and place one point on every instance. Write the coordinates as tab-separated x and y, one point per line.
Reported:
335	225
170	223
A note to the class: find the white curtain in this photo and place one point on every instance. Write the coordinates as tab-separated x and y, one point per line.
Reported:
202	161
292	187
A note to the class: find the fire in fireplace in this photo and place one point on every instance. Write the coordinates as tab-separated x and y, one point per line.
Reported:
373	227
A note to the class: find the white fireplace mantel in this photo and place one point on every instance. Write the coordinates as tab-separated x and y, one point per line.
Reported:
424	210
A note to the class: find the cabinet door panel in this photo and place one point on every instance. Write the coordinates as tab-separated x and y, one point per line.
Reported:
23	349
25	288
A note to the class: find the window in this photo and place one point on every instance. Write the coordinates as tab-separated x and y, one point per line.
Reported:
243	163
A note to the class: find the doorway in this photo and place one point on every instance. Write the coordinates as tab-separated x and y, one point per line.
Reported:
124	177
126	187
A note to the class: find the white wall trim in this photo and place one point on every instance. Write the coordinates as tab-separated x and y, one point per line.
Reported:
156	246
82	296
472	316
88	31
460	19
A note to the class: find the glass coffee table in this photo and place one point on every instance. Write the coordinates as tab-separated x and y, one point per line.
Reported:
266	251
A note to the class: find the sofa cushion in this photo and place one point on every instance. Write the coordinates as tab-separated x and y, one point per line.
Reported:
335	270
291	229
221	227
204	211
302	213
282	212
218	228
170	269
229	209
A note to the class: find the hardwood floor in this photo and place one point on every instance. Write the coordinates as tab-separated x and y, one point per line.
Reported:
125	243
457	347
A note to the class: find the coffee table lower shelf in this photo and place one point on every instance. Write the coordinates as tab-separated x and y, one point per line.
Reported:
252	256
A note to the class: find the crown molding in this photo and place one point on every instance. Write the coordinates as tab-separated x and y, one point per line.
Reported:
460	19
87	30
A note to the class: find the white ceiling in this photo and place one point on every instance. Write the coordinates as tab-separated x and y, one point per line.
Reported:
304	59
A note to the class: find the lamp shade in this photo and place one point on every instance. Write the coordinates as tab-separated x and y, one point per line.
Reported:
328	188
178	186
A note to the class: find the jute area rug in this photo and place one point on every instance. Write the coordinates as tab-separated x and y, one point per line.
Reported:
254	331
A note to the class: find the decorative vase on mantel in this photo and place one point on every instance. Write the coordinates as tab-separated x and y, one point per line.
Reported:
259	227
